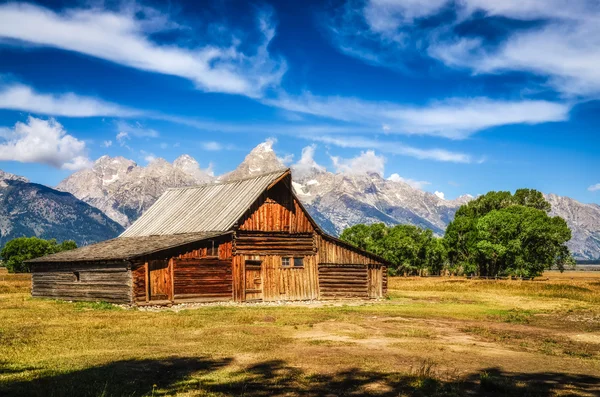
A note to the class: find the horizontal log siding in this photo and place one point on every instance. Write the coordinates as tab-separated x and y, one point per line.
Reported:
277	211
289	283
110	282
343	281
222	249
203	279
274	243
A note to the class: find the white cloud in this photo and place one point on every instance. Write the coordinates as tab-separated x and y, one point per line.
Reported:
307	164
107	143
558	39
212	146
395	148
440	195
136	129
122	137
594	188
24	98
286	159
366	162
45	142
411	182
454	118
124	37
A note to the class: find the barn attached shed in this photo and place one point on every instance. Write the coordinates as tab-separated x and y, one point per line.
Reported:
241	240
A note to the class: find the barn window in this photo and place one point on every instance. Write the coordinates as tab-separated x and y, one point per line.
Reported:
76	277
285	262
299	262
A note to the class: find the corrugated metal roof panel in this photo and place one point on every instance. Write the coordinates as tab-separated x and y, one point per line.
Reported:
212	207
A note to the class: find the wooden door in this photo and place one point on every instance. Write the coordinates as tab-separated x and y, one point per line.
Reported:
253	280
160	285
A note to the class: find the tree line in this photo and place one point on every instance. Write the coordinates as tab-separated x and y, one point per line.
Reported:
497	234
17	251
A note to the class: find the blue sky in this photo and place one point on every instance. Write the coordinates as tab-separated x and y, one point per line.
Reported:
453	96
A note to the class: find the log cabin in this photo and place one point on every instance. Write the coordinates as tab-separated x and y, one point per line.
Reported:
241	240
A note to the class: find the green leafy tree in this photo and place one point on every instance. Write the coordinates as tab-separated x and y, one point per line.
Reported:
17	251
410	249
504	234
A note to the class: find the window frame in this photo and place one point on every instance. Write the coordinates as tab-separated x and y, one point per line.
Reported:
283	262
296	258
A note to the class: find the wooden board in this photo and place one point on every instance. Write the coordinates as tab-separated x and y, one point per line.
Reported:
202	279
253	281
160	285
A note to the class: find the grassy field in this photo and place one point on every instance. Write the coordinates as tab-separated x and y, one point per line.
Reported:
432	337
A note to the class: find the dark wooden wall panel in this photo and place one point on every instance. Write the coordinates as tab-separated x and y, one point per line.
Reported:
206	279
110	282
138	274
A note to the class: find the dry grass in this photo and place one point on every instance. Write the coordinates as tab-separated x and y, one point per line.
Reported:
434	336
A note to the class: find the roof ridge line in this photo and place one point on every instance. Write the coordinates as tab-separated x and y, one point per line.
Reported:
281	171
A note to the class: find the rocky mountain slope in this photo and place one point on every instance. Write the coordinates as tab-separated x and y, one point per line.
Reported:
29	209
123	190
584	221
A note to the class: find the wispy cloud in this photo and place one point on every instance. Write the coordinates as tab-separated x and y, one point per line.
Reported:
454	118
395	148
594	188
559	39
24	98
411	182
124	37
45	142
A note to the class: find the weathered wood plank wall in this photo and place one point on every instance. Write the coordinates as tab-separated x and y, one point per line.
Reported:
110	282
343	281
289	283
203	279
277	211
274	243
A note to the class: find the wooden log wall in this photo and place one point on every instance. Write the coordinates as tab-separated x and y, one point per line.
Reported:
110	282
221	249
289	283
343	281
330	251
138	274
274	243
277	211
203	279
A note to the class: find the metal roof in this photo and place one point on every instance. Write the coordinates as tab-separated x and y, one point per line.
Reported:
123	248
213	207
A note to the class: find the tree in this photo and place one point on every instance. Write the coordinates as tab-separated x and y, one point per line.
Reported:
504	234
410	249
17	251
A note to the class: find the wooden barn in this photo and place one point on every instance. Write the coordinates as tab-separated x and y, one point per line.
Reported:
243	240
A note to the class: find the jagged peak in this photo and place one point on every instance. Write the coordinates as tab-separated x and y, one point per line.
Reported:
12	177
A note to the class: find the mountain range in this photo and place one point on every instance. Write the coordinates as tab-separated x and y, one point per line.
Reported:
122	190
29	209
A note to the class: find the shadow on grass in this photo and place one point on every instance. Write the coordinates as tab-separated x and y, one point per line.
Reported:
194	376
